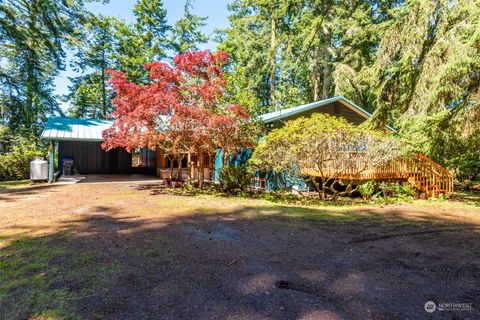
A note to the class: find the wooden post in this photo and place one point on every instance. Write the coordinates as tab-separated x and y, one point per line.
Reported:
51	165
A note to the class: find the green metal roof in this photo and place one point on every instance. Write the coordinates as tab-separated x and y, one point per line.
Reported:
281	114
75	129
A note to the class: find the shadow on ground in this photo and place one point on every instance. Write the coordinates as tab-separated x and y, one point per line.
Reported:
309	263
10	195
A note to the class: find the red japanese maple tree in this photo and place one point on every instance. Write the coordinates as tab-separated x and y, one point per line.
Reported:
182	111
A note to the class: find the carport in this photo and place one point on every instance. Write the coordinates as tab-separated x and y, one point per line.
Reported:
81	139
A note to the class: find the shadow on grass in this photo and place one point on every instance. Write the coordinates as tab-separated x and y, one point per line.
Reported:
272	262
471	198
11	194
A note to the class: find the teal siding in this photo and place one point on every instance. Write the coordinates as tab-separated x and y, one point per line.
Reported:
218	164
282	182
239	159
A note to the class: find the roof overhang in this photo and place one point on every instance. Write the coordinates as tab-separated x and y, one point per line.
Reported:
75	129
285	113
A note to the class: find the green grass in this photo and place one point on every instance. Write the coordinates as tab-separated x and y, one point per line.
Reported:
469	198
52	276
46	277
28	274
468	195
10	184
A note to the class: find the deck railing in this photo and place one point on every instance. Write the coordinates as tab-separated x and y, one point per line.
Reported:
419	170
431	178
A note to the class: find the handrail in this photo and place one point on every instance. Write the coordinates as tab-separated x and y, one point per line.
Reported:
422	172
438	166
432	178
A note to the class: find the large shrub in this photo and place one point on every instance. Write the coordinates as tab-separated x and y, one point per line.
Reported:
15	160
324	144
367	189
234	179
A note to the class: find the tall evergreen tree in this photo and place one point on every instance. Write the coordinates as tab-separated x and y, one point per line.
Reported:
113	43
151	23
252	43
297	51
428	62
93	57
186	33
33	34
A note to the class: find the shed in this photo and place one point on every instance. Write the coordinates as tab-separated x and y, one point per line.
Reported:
81	139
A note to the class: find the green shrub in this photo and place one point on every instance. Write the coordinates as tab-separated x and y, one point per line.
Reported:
404	190
15	164
393	192
234	179
367	189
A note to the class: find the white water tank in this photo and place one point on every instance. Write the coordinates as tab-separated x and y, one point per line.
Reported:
38	169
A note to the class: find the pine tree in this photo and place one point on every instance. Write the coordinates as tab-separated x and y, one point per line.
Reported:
152	27
33	35
428	62
186	33
95	54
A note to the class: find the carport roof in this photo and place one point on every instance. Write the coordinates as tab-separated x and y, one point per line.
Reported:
75	129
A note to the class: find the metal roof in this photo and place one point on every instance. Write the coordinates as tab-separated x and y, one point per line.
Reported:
281	114
75	129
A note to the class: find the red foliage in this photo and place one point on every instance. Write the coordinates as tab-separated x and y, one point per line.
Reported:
182	110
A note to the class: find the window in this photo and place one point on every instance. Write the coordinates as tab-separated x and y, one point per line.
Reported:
139	157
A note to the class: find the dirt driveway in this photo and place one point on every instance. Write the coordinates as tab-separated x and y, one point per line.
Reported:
111	252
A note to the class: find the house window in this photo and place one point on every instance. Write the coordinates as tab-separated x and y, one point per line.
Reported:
139	157
168	162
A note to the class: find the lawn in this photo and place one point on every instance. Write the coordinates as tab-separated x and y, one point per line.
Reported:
109	251
10	184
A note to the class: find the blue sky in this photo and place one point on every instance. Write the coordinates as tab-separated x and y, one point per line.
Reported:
215	10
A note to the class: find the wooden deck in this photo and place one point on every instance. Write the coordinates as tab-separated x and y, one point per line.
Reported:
420	171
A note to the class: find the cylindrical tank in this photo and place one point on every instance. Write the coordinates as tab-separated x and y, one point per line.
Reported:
38	169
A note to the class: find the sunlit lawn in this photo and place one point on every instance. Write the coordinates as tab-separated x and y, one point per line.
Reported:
14	184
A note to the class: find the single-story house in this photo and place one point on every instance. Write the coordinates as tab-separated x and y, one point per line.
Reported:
81	139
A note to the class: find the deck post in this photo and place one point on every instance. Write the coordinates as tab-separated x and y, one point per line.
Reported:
51	165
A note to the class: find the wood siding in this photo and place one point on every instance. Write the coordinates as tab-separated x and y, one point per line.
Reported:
336	109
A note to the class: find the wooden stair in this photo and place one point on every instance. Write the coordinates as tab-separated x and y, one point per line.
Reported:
429	177
424	174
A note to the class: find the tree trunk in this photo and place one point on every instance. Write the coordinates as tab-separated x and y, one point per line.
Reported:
211	166
30	91
189	166
31	85
200	168
316	76
273	51
104	90
179	167
171	166
327	65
